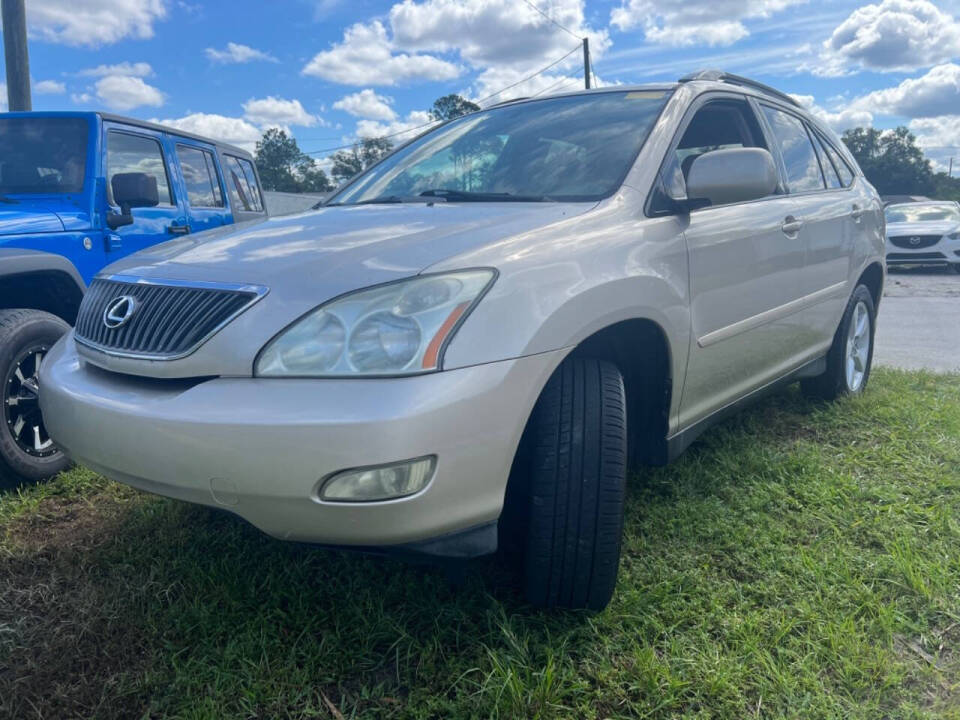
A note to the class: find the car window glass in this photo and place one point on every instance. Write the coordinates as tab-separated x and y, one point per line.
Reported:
199	176
846	174
829	172
799	157
715	126
244	194
137	154
42	155
923	212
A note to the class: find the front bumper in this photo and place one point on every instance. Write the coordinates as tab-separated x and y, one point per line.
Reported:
946	251
259	446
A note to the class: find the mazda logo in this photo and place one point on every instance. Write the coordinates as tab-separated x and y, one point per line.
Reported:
119	311
914	241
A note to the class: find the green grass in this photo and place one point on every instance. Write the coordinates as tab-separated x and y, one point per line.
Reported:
801	561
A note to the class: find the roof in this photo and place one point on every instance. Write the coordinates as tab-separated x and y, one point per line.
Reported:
110	117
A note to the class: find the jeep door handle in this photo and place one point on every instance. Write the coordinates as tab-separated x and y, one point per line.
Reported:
856	213
791	225
178	229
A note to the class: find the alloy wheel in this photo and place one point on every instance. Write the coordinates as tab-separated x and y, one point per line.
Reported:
21	404
858	347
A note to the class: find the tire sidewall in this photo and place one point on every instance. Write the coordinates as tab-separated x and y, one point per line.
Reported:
35	329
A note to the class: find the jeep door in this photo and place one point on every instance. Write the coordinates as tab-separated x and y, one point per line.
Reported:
134	149
202	185
745	262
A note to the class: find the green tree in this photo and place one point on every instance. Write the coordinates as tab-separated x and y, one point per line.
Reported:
946	187
451	106
892	161
285	168
363	154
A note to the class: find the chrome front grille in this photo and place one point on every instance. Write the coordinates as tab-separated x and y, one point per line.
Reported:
171	319
915	241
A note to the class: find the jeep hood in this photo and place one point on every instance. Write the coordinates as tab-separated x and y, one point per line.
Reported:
25	221
323	253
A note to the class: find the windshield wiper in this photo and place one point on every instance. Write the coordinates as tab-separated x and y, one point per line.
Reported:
399	199
469	196
8	200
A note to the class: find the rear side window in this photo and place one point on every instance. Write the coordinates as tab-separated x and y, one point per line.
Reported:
717	125
137	154
799	157
829	171
843	170
200	177
242	184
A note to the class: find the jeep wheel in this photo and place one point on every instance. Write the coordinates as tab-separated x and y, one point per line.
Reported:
851	354
575	493
26	451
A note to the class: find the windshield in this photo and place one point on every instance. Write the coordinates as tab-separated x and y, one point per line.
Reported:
42	155
574	148
923	212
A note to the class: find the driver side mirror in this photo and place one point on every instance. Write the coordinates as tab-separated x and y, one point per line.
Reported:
721	177
132	190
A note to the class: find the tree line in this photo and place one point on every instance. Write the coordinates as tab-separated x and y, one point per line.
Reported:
284	167
891	159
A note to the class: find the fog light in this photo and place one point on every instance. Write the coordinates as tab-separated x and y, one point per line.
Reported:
384	482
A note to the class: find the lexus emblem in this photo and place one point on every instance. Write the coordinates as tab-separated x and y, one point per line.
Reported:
119	311
914	240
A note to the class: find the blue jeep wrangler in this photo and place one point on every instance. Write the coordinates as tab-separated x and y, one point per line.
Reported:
78	191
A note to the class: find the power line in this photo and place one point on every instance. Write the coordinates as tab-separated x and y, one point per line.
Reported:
538	72
562	81
566	30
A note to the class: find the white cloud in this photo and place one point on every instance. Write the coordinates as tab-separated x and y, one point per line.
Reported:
139	69
940	139
367	104
366	57
842	119
93	22
277	112
407	129
122	92
49	87
935	93
235	131
81	98
236	53
492	80
892	35
694	22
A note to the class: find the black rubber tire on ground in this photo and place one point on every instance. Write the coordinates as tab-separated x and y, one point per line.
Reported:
23	331
577	456
833	383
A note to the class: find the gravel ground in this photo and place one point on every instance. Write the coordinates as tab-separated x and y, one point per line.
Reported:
919	323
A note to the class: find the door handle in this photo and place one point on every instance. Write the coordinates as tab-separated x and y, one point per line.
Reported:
791	225
856	213
178	229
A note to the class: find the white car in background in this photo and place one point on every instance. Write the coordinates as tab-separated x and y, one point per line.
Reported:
923	233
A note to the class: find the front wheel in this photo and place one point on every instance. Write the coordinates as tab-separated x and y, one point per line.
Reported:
850	357
27	453
575	495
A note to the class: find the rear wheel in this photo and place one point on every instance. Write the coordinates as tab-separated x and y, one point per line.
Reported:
27	453
851	355
573	496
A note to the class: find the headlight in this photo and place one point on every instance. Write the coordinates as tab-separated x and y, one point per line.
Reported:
400	328
954	236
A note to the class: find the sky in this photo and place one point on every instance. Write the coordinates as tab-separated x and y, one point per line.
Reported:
330	71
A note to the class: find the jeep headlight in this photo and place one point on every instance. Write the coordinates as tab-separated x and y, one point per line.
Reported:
400	328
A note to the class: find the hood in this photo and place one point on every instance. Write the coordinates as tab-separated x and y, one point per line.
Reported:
305	260
941	227
19	220
320	254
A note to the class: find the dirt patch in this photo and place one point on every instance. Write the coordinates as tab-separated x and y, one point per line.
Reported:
66	644
922	282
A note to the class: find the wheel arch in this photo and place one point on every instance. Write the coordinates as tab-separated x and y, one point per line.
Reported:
872	276
40	281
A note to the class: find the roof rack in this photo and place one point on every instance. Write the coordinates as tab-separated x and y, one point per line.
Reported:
721	76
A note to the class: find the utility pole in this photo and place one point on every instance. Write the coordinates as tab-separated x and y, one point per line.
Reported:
15	53
950	171
586	62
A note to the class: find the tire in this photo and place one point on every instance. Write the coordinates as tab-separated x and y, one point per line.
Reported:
26	454
577	451
848	366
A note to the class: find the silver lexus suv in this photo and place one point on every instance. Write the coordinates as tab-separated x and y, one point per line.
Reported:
470	343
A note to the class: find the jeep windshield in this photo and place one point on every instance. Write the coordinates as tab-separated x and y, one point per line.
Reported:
574	148
923	212
42	155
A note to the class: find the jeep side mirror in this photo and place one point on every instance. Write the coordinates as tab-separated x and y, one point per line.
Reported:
131	190
721	177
